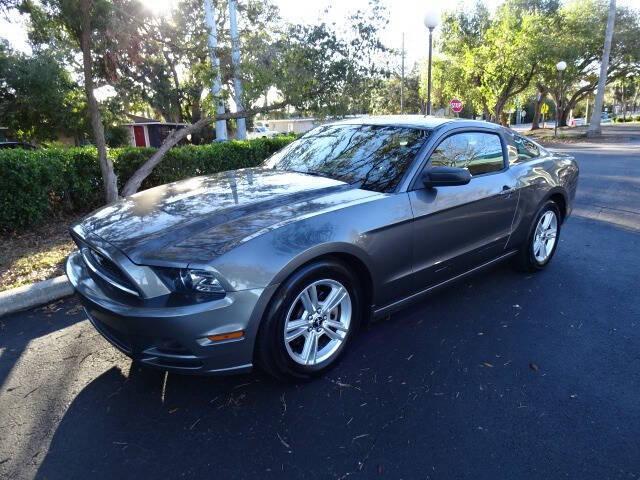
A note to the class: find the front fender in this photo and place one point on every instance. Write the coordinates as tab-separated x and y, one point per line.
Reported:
374	232
332	248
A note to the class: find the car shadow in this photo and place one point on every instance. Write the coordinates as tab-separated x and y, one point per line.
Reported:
144	422
485	379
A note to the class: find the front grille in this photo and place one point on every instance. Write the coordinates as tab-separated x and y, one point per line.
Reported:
107	270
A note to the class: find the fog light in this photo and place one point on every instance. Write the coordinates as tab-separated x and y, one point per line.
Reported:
226	336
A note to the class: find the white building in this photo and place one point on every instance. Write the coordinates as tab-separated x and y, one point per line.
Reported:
290	125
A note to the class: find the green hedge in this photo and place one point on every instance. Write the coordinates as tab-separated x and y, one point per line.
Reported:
627	119
39	184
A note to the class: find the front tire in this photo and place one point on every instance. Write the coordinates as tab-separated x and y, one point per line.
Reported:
541	244
311	320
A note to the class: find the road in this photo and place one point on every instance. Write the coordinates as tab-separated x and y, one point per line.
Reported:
502	376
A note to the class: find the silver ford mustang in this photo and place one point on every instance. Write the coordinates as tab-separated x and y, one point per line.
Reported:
277	266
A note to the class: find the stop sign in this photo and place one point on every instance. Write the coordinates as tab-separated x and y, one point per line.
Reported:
456	105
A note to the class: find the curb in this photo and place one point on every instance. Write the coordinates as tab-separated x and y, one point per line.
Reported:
29	296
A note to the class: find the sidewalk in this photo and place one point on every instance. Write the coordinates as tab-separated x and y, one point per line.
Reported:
611	133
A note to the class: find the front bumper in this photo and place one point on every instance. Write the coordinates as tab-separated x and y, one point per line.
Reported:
174	337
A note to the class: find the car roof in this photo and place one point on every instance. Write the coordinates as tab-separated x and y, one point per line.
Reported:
417	121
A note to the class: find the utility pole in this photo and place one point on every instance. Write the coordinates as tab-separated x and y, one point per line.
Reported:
595	128
402	79
216	87
241	133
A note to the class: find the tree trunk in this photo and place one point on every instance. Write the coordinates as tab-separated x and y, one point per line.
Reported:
133	184
106	166
499	117
564	116
594	127
624	105
486	113
177	95
542	95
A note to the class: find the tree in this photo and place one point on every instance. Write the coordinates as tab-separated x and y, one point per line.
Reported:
594	127
38	98
97	29
313	68
580	27
109	179
385	98
498	55
317	68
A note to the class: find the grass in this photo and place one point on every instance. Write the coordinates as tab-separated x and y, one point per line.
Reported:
36	255
565	134
612	132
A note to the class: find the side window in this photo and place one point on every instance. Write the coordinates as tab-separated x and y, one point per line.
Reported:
526	148
477	152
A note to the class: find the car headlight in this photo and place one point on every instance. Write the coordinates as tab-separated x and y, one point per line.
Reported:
190	281
200	281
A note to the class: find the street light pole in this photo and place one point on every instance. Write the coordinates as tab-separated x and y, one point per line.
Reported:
560	66
429	73
431	20
402	79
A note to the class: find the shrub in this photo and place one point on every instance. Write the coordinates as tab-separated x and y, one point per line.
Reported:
36	184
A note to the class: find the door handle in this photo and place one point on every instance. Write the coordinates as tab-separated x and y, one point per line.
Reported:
506	190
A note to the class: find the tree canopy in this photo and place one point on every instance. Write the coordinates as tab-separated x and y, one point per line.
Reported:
490	60
161	66
39	101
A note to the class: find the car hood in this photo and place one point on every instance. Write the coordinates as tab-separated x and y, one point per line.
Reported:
195	220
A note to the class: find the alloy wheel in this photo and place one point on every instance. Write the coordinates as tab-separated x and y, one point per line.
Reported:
544	239
318	322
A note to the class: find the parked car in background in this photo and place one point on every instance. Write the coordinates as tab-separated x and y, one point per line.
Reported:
278	266
23	145
260	131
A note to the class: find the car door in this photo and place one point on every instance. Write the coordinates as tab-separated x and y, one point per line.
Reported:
456	228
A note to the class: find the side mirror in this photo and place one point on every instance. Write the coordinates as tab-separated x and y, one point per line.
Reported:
445	176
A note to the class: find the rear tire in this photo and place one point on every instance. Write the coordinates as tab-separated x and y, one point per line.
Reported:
542	242
295	344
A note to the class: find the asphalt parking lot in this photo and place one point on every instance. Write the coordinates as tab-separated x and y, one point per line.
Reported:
502	376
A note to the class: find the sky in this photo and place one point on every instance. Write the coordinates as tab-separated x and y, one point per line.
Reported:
405	16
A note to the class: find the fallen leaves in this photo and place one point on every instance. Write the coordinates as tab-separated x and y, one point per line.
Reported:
282	441
358	437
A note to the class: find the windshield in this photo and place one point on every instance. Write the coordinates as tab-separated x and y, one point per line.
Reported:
373	156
